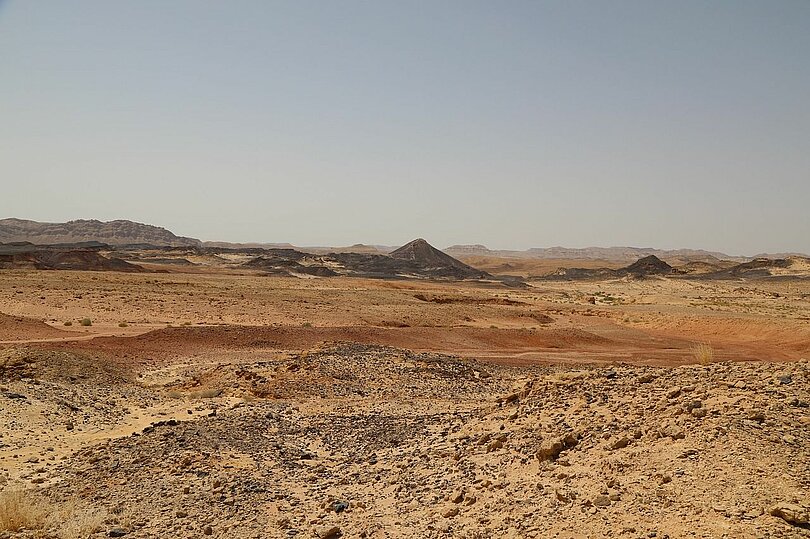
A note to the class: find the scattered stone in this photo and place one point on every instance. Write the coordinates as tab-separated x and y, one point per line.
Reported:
328	532
450	512
756	415
792	513
621	443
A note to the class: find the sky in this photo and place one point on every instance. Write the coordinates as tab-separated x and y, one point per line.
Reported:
649	123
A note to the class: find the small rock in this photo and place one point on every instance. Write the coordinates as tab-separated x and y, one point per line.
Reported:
794	514
450	512
328	532
550	450
117	532
484	439
601	501
756	415
673	392
673	431
693	404
494	445
621	443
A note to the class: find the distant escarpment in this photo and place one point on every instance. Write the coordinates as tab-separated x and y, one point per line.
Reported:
120	232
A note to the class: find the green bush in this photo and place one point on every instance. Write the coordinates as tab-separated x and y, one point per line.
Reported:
86	322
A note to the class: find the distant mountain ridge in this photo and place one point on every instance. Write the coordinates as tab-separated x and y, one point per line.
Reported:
614	254
119	232
124	232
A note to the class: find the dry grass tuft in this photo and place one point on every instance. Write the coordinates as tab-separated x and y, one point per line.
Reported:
703	353
205	394
19	511
76	521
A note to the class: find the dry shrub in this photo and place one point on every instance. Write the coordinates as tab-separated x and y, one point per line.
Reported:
703	353
205	394
70	520
76	521
18	510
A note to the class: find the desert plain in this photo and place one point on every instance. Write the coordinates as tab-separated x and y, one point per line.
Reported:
194	402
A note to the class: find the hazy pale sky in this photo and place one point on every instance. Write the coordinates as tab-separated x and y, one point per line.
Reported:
513	124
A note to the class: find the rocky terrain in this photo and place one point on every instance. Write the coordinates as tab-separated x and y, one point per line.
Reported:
624	255
415	260
760	268
164	251
212	401
367	441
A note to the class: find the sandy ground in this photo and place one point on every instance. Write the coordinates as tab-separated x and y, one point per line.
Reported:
250	406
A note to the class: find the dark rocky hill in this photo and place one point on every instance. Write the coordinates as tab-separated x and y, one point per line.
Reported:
427	257
20	256
120	232
649	265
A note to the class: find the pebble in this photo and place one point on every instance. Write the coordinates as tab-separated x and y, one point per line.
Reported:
328	532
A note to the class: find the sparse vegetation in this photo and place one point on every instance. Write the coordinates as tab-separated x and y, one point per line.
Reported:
86	322
76	521
19	511
68	323
205	394
703	353
122	324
